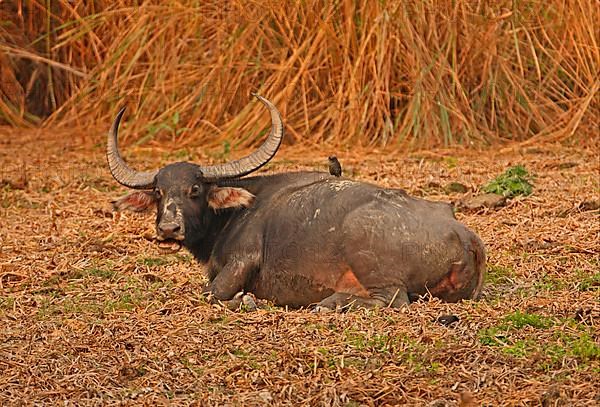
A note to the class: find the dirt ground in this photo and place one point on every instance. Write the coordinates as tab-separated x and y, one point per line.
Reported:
92	313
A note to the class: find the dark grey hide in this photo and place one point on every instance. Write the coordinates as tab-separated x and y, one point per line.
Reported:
314	238
310	237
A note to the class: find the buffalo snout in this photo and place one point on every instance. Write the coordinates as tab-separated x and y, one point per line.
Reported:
169	230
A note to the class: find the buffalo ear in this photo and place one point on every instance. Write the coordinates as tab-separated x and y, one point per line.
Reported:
136	201
229	197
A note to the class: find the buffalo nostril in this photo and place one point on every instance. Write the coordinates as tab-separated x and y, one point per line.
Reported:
169	229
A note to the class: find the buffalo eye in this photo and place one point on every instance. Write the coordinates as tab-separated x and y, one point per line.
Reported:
157	193
194	191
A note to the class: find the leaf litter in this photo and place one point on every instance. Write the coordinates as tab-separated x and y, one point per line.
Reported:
92	313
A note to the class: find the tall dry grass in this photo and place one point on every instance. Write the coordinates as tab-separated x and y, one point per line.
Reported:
410	73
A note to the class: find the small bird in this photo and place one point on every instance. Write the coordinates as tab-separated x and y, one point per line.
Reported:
334	166
447	319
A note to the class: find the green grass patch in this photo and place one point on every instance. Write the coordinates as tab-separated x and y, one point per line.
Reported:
549	283
406	349
494	336
75	305
589	282
577	346
363	341
92	273
165	260
585	348
100	273
240	353
515	181
498	274
575	342
7	303
153	261
184	258
329	360
127	301
520	348
500	335
126	298
520	320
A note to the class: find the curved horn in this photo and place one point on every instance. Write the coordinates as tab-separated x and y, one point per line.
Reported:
257	159
118	168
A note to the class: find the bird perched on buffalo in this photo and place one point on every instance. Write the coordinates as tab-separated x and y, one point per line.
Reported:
335	167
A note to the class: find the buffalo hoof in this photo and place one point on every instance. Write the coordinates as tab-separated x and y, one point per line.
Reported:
242	302
249	302
239	302
320	309
235	303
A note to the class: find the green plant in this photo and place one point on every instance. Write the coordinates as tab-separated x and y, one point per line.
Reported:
493	336
520	320
590	283
515	181
171	126
153	261
498	274
585	348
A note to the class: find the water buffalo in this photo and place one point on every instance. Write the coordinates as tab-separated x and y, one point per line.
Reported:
304	238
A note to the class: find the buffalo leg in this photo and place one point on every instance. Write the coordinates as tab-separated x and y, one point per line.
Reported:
393	297
230	280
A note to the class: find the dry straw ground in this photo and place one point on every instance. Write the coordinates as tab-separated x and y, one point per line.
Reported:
90	312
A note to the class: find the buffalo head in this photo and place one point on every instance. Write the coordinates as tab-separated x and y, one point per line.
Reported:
185	193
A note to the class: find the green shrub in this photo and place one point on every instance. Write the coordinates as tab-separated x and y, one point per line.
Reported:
515	181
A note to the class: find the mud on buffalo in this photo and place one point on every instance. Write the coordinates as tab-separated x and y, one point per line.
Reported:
304	238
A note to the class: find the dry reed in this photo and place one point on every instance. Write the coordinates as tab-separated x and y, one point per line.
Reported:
389	73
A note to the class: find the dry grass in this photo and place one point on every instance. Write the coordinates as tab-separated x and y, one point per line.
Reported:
404	73
93	314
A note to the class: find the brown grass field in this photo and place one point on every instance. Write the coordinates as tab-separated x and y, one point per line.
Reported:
415	94
91	313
